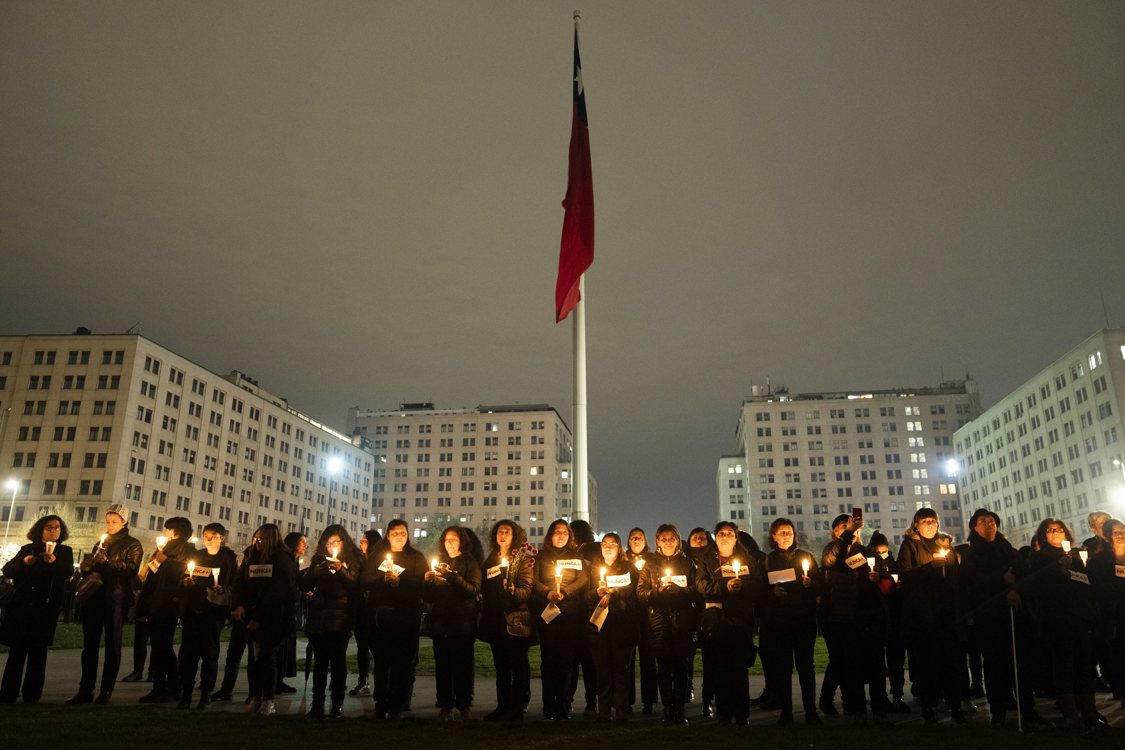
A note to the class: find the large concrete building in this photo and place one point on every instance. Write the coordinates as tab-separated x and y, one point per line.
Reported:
731	487
470	466
1052	447
812	456
89	420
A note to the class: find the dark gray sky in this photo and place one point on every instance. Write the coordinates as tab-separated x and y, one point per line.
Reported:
358	203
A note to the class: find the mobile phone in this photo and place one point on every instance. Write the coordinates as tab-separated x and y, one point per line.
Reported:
857	513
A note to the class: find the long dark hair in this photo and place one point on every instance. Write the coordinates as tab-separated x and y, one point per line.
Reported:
570	543
519	536
266	543
35	534
349	553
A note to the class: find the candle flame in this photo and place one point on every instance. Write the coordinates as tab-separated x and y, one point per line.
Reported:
160	541
433	564
215	573
1066	546
191	567
640	563
805	565
504	561
737	566
1084	555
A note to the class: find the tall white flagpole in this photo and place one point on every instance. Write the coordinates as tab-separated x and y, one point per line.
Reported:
580	477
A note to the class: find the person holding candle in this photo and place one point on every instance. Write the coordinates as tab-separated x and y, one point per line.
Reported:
930	615
332	584
392	577
559	581
1059	593
667	590
39	572
892	644
1107	572
159	604
788	632
265	597
506	621
363	644
297	543
452	586
730	583
114	561
205	596
612	645
700	542
637	552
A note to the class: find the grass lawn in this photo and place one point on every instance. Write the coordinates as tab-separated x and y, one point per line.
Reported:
91	728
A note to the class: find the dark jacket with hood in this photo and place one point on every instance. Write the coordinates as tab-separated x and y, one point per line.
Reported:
798	606
620	624
455	597
331	607
161	592
573	583
847	594
982	567
390	607
673	612
498	607
930	595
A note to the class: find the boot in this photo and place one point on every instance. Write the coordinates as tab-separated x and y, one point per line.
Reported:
337	709
204	701
317	710
1089	710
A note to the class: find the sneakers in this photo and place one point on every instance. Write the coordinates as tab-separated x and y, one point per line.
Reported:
362	690
221	696
267	708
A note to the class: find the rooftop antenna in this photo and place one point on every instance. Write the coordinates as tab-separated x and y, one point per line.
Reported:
135	328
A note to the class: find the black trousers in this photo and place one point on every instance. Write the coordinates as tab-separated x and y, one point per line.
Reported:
513	673
584	660
937	669
199	644
165	674
453	670
236	647
393	668
330	653
672	673
611	665
35	659
102	617
261	668
785	645
995	638
558	643
728	651
643	658
140	645
363	646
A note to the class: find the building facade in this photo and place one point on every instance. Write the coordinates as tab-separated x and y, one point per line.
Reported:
1052	447
730	489
812	456
472	467
89	420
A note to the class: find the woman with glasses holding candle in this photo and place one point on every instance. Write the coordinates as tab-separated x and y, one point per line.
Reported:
392	577
331	585
613	590
730	583
265	599
928	573
506	621
560	580
452	585
636	553
39	571
1062	599
668	592
206	606
115	562
788	633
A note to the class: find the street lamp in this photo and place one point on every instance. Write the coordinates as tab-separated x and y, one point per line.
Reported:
14	486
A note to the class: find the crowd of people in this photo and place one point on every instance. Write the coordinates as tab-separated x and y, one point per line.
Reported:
978	620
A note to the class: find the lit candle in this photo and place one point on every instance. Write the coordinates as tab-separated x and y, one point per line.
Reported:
601	583
558	580
805	566
191	567
334	549
667	577
433	564
1066	546
215	574
160	542
737	567
894	577
50	548
503	562
101	544
390	561
940	556
1083	555
640	563
871	562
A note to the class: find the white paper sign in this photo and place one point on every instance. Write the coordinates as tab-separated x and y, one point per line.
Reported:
493	571
387	566
617	582
153	565
858	560
1120	570
782	576
728	571
201	572
550	612
680	581
568	564
261	571
598	618
1079	577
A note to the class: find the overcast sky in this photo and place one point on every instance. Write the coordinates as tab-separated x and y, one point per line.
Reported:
358	203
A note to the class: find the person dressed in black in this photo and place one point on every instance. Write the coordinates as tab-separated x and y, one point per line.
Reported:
265	596
452	585
637	552
667	590
114	562
699	544
236	647
159	604
989	569
297	544
363	644
40	571
590	551
1108	575
731	584
1060	593
930	615
332	582
560	582
392	577
613	595
205	607
505	621
789	621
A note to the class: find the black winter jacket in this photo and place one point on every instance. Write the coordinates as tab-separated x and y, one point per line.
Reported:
33	614
497	605
331	608
575	579
673	611
123	559
454	598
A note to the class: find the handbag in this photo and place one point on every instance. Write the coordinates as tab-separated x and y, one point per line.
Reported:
89	585
518	623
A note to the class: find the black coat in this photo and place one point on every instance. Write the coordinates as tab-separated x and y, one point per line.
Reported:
498	607
673	613
331	608
393	607
573	583
930	595
161	592
1057	600
847	594
982	568
123	560
798	606
454	598
194	600
620	624
267	590
32	616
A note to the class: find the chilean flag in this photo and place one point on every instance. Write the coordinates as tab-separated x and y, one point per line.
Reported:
577	251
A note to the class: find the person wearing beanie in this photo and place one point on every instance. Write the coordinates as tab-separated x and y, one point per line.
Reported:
106	593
